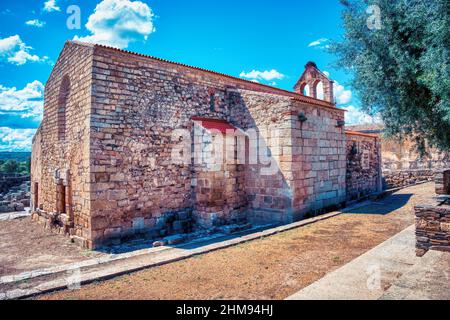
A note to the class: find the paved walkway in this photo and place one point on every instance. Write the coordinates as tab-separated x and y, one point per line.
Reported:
388	271
427	280
6	216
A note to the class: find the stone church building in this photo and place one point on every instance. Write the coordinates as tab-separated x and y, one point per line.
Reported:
104	161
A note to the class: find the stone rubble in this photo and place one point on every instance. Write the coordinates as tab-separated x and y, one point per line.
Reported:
402	178
16	199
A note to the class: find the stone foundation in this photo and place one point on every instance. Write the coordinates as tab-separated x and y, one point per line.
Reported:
432	228
402	178
171	223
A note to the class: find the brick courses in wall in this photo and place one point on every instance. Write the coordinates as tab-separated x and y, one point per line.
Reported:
102	164
402	178
65	159
363	174
432	228
442	181
401	154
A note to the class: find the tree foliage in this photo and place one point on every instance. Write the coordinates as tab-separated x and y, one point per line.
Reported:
14	166
11	166
401	69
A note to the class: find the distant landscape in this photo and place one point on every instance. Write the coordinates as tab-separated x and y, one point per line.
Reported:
15	162
18	156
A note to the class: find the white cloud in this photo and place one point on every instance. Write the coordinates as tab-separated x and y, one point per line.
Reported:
318	42
5	12
17	52
262	75
25	103
342	95
118	23
16	139
354	115
35	23
51	5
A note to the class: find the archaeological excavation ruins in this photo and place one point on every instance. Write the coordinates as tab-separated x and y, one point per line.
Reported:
135	145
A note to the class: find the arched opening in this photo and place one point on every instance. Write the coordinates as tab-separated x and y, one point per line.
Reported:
63	96
320	93
305	90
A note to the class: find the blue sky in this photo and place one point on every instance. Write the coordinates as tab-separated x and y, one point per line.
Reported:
266	41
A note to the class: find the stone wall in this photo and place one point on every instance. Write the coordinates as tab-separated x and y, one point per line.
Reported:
318	159
402	178
432	228
402	155
137	104
113	175
363	165
442	181
60	157
217	184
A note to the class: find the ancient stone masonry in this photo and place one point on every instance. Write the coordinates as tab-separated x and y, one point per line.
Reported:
442	180
402	178
363	176
401	163
432	228
135	145
60	164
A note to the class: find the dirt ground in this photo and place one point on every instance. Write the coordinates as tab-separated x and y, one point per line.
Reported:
26	246
271	268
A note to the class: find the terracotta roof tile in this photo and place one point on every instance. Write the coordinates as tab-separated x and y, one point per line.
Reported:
356	133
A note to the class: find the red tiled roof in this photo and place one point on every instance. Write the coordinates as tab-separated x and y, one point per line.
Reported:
356	133
296	96
366	128
216	124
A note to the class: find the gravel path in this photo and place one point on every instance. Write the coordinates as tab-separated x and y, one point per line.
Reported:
26	245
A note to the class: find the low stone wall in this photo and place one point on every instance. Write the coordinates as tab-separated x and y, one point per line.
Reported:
171	223
442	180
432	228
402	178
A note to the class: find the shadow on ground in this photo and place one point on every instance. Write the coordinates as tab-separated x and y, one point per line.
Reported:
384	206
188	244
